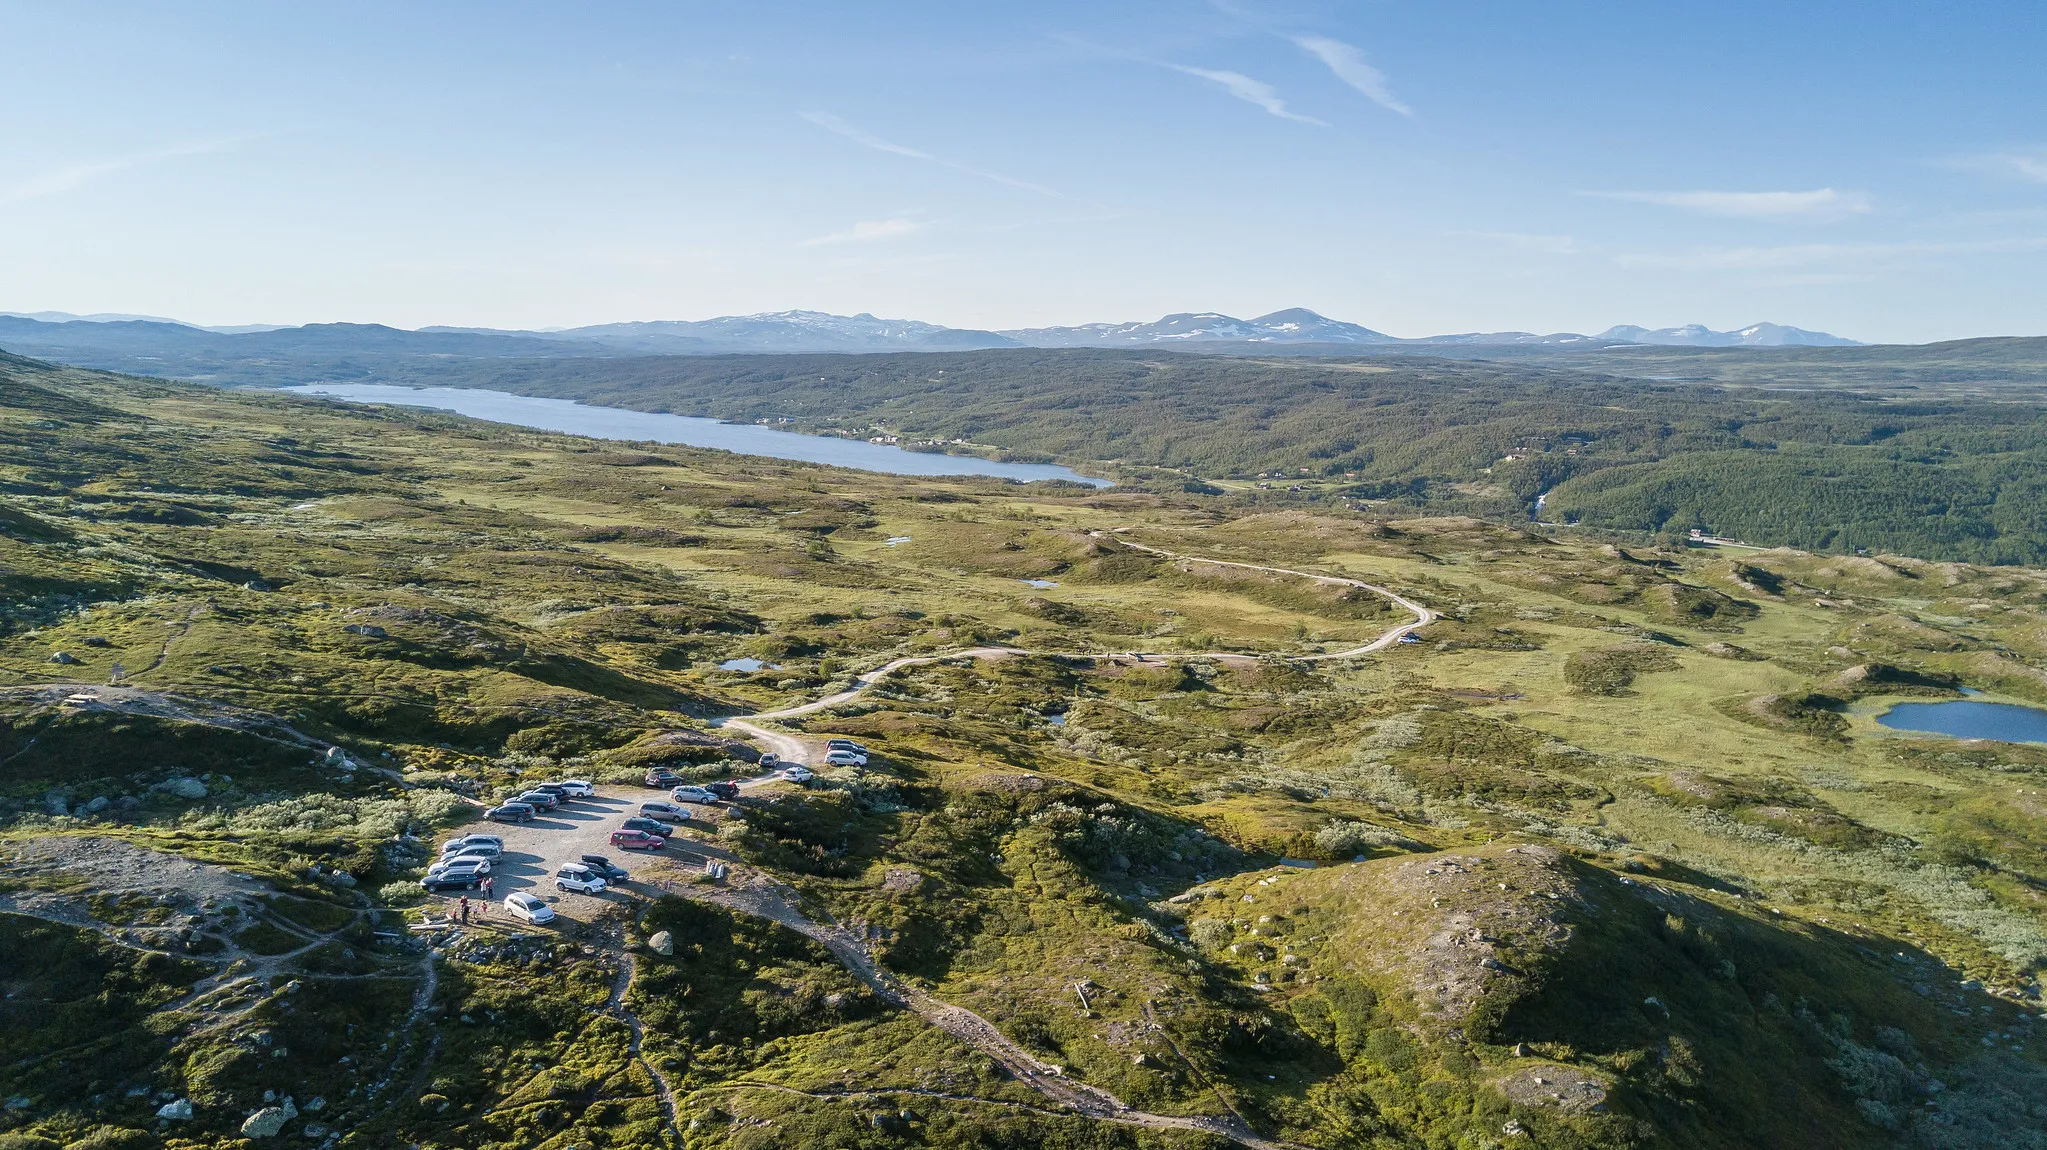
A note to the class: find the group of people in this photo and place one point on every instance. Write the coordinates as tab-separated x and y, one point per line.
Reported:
482	905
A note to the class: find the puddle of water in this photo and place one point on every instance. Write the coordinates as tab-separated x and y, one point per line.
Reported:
1969	719
1056	720
1040	584
895	539
747	665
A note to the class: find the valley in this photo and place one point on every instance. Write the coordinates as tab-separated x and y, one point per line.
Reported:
1190	819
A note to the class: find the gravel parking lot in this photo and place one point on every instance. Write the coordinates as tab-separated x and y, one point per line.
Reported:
534	851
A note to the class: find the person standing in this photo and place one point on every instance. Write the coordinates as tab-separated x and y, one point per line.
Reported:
465	908
486	889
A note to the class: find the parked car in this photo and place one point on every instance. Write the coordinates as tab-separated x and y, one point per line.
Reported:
727	790
471	850
463	880
637	840
578	878
688	794
529	907
798	774
545	800
844	745
651	826
666	812
660	778
511	813
556	789
605	867
845	759
478	867
580	788
455	846
769	761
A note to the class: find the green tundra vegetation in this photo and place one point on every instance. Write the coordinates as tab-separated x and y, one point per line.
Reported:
1938	472
1614	855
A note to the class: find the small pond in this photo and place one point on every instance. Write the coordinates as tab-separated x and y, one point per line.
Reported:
1970	719
1040	584
747	665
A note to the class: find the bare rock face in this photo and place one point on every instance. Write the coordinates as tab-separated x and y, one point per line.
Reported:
178	1111
269	1121
662	943
902	880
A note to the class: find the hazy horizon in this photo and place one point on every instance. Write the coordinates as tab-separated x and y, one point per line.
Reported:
1420	170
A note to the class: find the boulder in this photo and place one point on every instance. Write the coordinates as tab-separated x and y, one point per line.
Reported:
184	787
662	943
63	659
98	804
178	1111
269	1121
54	803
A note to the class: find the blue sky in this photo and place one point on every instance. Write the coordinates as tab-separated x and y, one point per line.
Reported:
1875	169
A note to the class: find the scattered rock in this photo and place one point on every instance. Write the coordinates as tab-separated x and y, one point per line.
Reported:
178	1111
184	787
269	1121
54	803
902	880
98	804
63	659
662	943
95	641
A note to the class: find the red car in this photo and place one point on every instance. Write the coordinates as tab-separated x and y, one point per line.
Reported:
637	840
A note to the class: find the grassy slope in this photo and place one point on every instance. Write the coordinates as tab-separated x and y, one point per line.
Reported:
1689	722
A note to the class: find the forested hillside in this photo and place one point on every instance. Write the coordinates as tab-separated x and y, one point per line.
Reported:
1953	479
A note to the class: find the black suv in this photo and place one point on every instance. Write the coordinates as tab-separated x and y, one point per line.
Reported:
604	867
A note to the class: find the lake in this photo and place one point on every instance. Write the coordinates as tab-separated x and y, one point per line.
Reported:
691	431
1969	719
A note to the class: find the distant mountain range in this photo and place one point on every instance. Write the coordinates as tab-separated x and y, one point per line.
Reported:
76	338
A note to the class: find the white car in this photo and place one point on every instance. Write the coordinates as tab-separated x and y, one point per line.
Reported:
528	907
798	774
579	878
581	788
846	759
693	795
470	850
473	867
454	846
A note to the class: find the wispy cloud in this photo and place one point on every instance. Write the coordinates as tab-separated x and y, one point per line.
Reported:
1349	65
1806	255
1250	91
868	231
2026	165
70	177
1816	205
836	126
